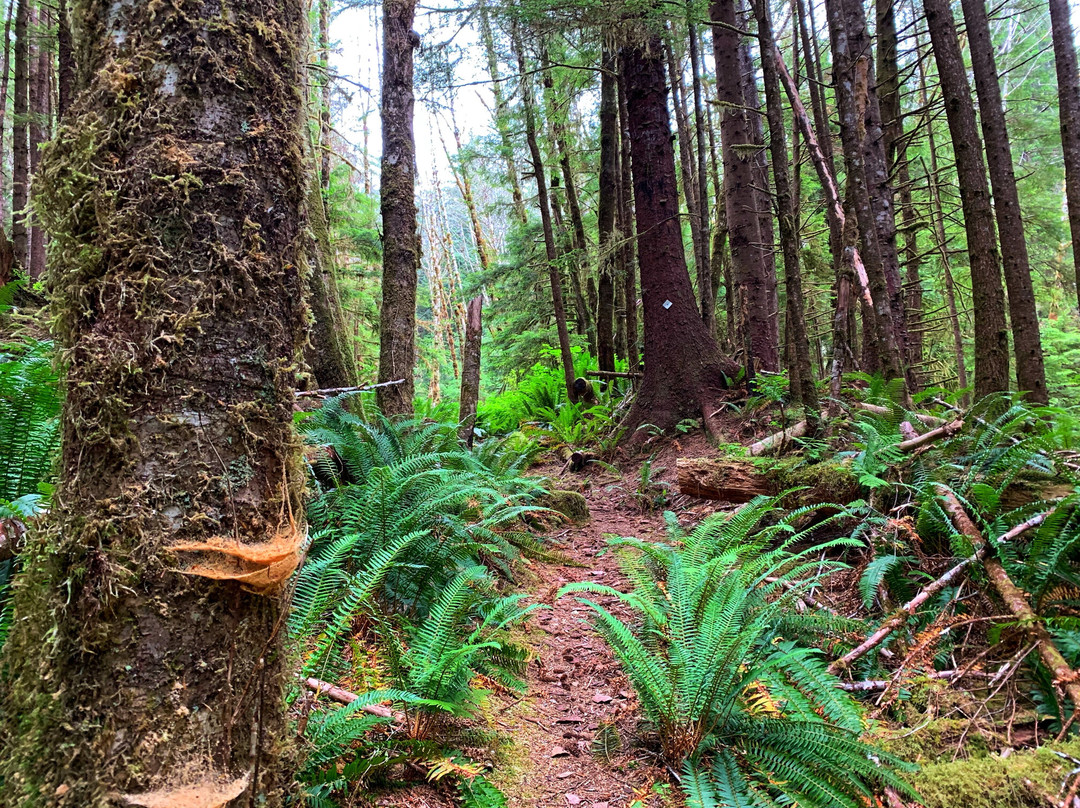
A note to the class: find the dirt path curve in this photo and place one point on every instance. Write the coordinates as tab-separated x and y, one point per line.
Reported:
576	687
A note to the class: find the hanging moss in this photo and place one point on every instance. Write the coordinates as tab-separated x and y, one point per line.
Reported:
141	661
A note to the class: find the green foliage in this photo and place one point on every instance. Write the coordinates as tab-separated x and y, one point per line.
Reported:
29	417
718	674
478	792
409	532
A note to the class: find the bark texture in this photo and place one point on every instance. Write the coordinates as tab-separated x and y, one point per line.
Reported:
470	370
146	662
397	196
20	153
684	370
755	308
1068	79
988	297
605	213
1024	319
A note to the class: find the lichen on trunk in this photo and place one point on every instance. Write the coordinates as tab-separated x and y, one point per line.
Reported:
146	657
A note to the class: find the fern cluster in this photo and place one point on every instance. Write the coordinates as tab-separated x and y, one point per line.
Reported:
412	533
716	659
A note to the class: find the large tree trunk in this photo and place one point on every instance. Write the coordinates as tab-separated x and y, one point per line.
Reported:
1027	347
803	376
706	288
146	663
397	194
528	102
20	159
605	211
1068	79
684	370
988	298
867	178
755	310
5	73
65	59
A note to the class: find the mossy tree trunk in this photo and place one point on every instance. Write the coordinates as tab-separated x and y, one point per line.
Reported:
397	195
146	666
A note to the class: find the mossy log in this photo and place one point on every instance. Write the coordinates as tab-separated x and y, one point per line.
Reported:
733	479
570	504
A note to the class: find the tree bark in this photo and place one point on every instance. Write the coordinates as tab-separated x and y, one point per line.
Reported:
1068	80
867	177
401	247
755	311
324	99
39	112
4	84
706	289
329	353
20	160
65	58
529	104
684	370
803	376
628	242
1024	319
605	211
177	518
991	336
470	371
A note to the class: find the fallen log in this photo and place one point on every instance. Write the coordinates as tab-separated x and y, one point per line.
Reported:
869	685
736	480
1016	602
778	440
333	391
342	696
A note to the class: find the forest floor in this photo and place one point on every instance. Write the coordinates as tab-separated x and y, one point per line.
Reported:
573	738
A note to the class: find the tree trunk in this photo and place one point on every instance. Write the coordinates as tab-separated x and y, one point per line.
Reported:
579	257
176	521
470	371
1068	80
684	370
867	177
529	105
755	311
628	248
324	99
1027	347
401	247
20	160
329	353
802	376
39	110
938	217
4	83
988	298
706	290
687	161
605	211
501	114
65	60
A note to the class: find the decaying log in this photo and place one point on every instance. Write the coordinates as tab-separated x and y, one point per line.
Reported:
342	696
736	480
728	480
333	391
1016	602
884	684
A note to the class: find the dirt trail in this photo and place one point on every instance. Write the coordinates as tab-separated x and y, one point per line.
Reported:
576	687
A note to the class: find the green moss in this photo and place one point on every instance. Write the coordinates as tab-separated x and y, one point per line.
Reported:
570	504
1027	779
823	482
